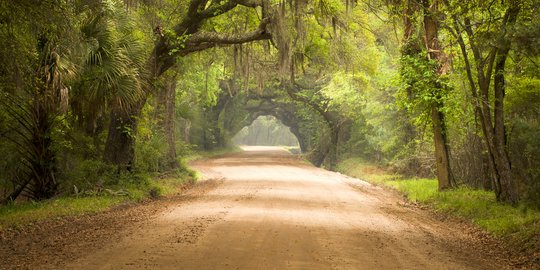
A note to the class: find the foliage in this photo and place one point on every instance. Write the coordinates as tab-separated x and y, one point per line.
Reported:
202	79
422	87
112	60
524	131
345	92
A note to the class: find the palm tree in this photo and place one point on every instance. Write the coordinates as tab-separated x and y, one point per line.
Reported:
103	71
35	112
112	65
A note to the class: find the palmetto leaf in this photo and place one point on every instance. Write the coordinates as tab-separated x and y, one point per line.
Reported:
113	61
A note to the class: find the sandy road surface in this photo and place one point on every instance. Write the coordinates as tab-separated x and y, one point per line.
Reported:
268	210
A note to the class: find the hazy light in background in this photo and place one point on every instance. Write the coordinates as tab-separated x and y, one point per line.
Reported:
267	131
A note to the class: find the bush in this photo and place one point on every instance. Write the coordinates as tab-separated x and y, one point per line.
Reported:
88	175
150	154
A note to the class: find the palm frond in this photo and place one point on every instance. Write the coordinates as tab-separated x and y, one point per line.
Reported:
114	61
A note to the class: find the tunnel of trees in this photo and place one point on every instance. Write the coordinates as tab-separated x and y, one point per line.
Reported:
266	131
92	89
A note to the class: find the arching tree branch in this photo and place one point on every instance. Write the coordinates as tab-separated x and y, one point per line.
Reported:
204	40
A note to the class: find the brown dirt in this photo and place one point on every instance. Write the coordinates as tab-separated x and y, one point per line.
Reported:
262	209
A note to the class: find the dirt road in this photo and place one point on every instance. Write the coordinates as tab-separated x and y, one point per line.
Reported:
269	210
259	209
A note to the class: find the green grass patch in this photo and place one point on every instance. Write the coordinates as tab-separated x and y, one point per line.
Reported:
520	225
212	153
24	213
129	188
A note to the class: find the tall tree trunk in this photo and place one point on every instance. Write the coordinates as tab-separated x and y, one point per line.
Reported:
410	47
494	130
164	113
332	153
169	124
327	153
506	186
493	125
440	139
120	145
487	157
213	128
507	190
442	158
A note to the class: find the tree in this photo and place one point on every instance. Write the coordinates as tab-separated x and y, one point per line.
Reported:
440	136
489	43
423	66
38	93
184	38
111	66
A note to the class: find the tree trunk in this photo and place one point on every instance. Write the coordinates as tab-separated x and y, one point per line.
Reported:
301	139
44	185
507	190
487	157
441	150
493	126
169	124
440	139
317	156
332	154
120	145
326	153
495	133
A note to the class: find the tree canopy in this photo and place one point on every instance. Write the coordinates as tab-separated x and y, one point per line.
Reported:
440	88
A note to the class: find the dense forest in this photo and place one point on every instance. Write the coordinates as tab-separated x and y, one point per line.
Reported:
93	91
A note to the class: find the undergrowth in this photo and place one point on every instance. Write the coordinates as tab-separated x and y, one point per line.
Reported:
128	189
519	225
95	188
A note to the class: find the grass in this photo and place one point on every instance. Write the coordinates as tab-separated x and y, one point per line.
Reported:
212	153
519	225
135	189
29	212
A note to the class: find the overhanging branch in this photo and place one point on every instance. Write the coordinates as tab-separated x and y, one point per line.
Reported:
205	40
217	9
250	3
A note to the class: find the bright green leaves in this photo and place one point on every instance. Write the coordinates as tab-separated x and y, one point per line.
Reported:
345	92
523	96
175	42
113	60
238	20
201	79
422	87
329	7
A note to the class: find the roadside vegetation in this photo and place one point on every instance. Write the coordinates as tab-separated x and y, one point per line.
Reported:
99	199
519	226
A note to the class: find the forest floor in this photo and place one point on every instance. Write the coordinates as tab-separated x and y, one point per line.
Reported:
260	209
